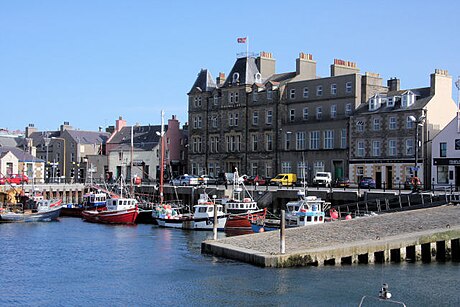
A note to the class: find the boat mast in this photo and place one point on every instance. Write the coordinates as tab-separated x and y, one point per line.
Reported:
162	155
132	164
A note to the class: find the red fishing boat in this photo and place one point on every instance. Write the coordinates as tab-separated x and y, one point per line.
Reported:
119	211
241	207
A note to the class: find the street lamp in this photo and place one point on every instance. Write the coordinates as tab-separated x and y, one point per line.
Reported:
63	161
418	122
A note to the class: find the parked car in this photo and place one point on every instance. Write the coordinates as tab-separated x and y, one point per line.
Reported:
15	179
323	178
412	183
252	180
207	180
367	183
284	180
185	180
342	182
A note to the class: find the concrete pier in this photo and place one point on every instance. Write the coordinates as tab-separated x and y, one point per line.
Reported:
426	235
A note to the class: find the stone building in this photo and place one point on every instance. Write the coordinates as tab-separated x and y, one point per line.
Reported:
141	156
391	133
265	123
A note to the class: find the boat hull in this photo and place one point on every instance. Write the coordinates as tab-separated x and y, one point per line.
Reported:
243	221
193	223
47	216
111	217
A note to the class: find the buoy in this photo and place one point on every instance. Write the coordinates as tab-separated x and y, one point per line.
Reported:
348	217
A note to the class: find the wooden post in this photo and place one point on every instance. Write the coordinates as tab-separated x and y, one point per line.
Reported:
214	228
283	232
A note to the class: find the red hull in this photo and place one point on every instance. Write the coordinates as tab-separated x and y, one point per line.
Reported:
111	217
243	222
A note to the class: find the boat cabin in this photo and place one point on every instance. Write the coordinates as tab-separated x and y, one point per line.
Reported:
94	199
120	204
304	212
207	210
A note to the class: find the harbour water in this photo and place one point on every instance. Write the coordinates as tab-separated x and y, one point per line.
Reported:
74	263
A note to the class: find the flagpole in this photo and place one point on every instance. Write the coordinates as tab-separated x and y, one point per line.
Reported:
247	47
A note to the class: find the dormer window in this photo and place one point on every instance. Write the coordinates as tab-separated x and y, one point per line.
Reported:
390	102
269	94
236	77
407	99
258	78
375	102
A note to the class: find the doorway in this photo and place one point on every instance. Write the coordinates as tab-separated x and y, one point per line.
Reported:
457	177
389	179
378	179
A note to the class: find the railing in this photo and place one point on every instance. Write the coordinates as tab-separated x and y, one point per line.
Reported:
397	203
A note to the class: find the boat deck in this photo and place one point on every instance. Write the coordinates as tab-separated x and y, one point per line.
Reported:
316	245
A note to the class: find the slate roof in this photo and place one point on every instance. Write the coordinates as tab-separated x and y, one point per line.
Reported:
145	138
89	137
38	138
22	155
246	68
422	99
9	141
204	82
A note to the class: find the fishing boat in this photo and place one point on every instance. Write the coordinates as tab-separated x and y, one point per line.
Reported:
118	211
306	211
46	210
202	217
91	201
241	207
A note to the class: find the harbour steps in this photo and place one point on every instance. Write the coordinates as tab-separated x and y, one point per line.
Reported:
431	234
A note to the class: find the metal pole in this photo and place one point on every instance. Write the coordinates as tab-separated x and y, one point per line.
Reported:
214	228
283	232
416	147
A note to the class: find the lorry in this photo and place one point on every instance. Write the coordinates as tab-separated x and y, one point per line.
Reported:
323	178
287	179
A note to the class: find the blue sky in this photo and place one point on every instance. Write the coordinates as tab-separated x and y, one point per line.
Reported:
90	61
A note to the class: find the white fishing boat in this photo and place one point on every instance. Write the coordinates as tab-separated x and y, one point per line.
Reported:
306	211
202	217
241	207
46	210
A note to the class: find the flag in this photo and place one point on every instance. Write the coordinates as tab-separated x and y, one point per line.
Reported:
241	40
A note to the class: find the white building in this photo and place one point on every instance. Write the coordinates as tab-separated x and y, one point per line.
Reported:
446	155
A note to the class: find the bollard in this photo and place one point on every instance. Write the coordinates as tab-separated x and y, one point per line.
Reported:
283	232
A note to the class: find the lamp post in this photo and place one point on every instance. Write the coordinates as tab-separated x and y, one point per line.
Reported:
63	161
418	122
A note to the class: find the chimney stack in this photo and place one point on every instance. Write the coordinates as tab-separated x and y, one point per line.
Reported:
341	67
266	64
119	124
30	129
393	84
305	66
221	79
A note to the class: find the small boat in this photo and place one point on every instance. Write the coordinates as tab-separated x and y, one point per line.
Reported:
241	207
306	211
265	225
47	210
118	211
91	201
202	217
